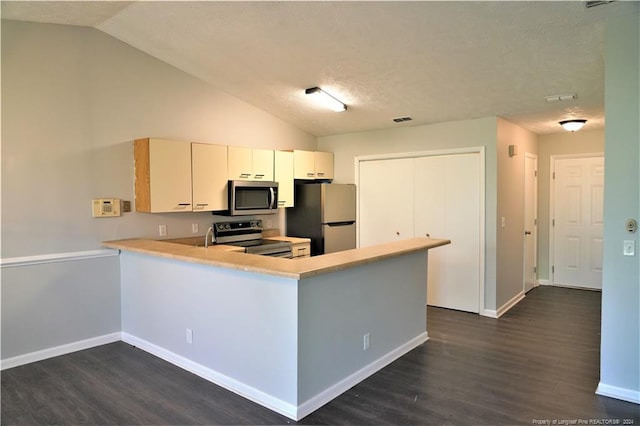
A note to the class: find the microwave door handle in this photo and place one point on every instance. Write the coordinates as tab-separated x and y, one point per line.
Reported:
273	198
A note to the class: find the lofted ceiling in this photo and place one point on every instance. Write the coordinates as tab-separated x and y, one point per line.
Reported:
432	61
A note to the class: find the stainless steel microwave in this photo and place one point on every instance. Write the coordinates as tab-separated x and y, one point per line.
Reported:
247	197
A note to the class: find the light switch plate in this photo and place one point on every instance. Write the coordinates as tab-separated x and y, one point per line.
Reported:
629	248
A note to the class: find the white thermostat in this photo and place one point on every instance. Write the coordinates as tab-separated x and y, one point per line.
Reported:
106	207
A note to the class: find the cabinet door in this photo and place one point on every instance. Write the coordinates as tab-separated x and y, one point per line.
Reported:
284	176
240	163
209	177
323	163
304	164
447	205
385	201
262	164
162	175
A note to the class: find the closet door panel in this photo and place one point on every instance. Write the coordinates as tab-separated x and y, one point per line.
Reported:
385	201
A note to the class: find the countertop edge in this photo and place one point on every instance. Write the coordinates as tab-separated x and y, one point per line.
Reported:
298	269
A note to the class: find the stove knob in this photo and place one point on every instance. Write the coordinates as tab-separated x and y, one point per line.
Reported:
227	226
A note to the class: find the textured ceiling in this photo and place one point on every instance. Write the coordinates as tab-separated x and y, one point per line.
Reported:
433	61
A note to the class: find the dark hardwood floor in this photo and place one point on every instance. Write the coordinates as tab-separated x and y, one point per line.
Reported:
540	361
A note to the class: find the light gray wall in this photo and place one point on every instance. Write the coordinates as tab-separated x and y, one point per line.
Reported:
510	239
337	310
562	143
620	347
244	324
53	304
73	101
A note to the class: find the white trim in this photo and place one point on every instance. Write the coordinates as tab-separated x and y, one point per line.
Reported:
59	350
415	154
292	411
12	262
327	395
451	151
233	385
544	282
535	224
504	308
552	170
629	395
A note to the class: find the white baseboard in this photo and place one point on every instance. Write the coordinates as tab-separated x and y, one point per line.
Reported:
544	282
59	350
279	406
233	385
347	383
504	308
628	395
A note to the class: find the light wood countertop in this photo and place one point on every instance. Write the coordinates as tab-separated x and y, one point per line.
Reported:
224	256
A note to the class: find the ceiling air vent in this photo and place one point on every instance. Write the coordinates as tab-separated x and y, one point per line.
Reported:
401	119
594	3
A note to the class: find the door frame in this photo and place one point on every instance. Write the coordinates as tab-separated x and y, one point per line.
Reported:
552	170
535	226
480	150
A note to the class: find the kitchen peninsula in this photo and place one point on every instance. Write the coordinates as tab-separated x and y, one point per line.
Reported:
290	335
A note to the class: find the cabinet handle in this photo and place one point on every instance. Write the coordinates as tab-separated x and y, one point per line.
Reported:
245	175
201	205
427	235
397	233
183	205
282	202
310	174
320	173
259	176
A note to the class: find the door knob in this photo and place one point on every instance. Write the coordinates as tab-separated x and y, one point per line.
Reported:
397	233
527	232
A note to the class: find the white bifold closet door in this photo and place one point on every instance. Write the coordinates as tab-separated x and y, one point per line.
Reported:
447	205
385	201
438	196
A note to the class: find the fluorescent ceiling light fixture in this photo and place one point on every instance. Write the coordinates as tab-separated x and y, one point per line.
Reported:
572	125
325	99
559	98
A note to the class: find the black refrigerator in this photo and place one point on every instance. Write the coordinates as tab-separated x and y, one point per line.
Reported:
326	213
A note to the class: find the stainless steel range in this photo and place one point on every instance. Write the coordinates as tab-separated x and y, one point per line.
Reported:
248	234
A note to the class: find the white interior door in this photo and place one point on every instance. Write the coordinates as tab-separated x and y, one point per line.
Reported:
578	190
530	220
447	205
385	201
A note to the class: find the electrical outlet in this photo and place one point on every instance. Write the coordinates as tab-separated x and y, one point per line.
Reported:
189	336
365	342
162	230
194	228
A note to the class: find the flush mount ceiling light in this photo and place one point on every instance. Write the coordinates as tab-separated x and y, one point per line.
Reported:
325	99
572	125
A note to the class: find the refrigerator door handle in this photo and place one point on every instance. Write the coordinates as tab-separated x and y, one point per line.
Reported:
345	223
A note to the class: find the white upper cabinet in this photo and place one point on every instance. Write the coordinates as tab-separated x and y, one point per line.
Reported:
323	164
209	177
312	164
162	176
284	176
250	164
